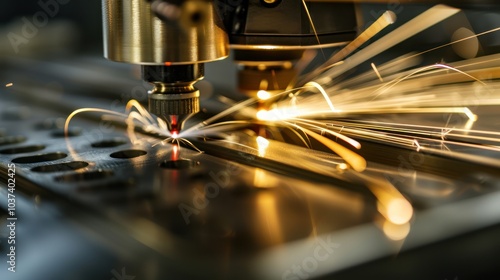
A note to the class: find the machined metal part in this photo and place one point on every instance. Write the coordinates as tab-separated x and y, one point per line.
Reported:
270	70
175	109
272	79
134	34
174	104
271	211
257	24
181	216
173	97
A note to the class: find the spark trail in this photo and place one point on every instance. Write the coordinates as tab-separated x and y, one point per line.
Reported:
336	112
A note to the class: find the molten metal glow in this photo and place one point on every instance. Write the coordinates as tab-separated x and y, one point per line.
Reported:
263	94
399	211
395	232
175	152
262	144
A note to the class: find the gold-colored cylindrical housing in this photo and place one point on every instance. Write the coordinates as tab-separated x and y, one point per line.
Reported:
134	34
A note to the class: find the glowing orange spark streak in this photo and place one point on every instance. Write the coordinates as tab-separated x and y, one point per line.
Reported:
381	23
356	161
312	25
423	21
346	139
175	152
454	42
377	72
323	92
391	84
81	110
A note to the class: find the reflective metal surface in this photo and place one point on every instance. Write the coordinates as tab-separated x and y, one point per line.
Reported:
230	212
133	34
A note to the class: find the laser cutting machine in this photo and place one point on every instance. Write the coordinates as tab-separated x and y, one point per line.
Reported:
95	199
173	41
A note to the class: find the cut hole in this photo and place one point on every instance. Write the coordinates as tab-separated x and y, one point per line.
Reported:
72	132
178	164
109	143
40	158
51	123
21	150
8	140
66	166
111	186
128	154
85	176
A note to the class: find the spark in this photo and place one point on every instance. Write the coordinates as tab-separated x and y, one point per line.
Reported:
418	24
342	167
381	23
263	115
415	142
263	94
356	161
396	232
175	153
135	116
9	84
323	92
399	211
338	115
377	72
312	25
392	84
455	42
445	132
262	144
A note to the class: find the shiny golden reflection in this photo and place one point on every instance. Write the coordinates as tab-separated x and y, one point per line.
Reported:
395	232
399	211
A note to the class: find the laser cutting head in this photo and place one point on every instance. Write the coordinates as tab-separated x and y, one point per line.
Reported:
171	40
174	97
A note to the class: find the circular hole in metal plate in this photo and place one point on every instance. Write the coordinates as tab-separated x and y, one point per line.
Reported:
9	140
72	132
65	166
85	176
178	164
128	154
40	158
23	149
110	186
109	143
